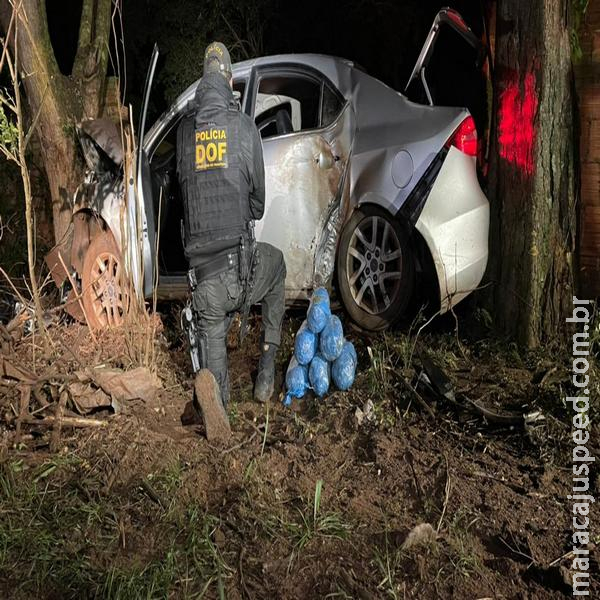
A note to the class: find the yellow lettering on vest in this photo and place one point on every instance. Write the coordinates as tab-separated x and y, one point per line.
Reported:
222	149
200	155
211	152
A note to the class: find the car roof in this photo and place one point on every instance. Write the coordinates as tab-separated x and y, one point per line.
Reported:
336	69
310	59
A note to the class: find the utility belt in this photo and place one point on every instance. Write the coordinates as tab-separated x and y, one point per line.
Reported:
213	267
245	260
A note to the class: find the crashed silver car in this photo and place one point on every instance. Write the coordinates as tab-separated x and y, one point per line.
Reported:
366	191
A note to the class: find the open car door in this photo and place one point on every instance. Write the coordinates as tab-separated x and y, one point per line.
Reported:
454	20
143	245
306	128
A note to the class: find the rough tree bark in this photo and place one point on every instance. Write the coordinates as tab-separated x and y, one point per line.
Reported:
533	176
61	100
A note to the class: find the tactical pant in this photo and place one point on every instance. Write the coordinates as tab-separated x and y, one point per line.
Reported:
218	298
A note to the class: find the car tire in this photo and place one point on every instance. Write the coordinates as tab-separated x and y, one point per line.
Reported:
105	293
375	268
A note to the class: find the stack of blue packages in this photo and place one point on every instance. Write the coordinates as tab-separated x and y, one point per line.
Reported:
321	353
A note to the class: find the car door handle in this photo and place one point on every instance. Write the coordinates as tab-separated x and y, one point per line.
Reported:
326	160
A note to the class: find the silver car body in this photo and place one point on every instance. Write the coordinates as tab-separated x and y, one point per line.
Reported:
375	152
378	149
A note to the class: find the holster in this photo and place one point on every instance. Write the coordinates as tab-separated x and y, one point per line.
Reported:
248	263
198	340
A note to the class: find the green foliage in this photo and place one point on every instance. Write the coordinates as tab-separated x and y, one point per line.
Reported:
9	134
183	29
579	8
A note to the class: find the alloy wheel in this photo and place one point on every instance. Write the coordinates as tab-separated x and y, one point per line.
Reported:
374	265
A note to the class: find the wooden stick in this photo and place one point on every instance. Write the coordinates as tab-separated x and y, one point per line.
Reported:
414	393
66	422
152	493
23	410
78	296
58	420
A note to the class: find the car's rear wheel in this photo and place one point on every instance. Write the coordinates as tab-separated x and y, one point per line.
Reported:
375	268
105	293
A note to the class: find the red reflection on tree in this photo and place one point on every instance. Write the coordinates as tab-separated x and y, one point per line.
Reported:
518	105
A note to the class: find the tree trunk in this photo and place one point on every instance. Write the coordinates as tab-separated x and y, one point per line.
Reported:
57	101
533	176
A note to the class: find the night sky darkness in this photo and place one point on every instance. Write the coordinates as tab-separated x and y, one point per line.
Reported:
383	36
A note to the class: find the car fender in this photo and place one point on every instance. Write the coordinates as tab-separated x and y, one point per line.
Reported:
454	223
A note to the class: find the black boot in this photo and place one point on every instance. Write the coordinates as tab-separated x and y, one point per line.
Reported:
265	380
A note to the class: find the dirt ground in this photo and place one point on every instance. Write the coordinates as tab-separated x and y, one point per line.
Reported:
313	501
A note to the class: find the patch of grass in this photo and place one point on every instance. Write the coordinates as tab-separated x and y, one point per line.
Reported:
48	528
305	429
168	479
314	523
233	409
308	523
460	552
452	556
60	537
386	561
191	564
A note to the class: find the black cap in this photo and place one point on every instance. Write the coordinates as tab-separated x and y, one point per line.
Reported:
217	59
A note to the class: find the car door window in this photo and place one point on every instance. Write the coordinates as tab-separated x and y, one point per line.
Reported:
331	106
287	104
239	89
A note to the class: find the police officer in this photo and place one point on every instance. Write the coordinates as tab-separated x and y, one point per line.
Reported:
221	173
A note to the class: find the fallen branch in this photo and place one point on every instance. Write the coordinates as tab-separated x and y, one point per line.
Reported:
237	446
413	393
66	422
152	493
447	495
77	295
23	410
58	420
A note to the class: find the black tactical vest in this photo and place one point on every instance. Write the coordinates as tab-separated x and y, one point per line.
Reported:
213	181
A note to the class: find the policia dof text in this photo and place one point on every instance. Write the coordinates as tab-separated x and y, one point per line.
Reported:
221	173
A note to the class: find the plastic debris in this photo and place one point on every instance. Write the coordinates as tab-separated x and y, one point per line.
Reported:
332	339
343	369
319	310
305	346
318	375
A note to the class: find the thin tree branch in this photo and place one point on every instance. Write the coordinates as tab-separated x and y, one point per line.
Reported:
36	118
237	37
7	37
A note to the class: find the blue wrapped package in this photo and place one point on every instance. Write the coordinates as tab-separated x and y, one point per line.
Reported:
319	310
343	369
318	375
305	345
321	292
332	339
296	381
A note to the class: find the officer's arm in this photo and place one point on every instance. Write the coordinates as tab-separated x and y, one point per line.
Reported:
257	176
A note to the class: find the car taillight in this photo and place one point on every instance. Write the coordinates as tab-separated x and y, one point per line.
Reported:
465	137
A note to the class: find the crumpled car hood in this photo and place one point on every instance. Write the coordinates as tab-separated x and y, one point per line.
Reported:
101	143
